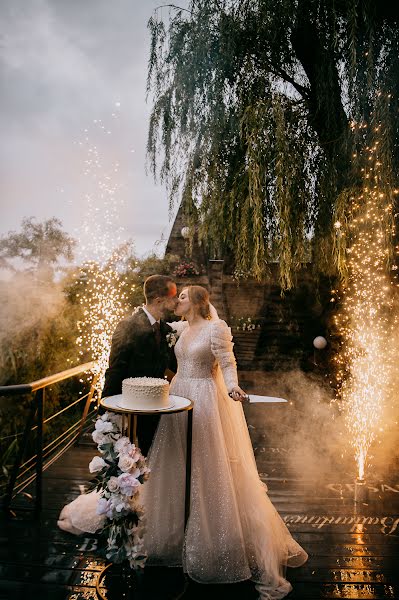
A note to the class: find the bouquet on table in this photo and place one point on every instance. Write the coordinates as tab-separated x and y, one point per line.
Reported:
120	472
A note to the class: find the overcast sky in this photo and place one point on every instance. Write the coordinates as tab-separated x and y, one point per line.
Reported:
73	76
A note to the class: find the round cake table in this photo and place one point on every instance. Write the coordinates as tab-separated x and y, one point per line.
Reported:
179	405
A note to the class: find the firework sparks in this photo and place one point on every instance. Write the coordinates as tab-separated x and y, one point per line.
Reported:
366	322
102	289
100	231
104	305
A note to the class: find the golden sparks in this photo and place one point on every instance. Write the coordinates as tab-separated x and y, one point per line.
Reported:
102	297
103	301
366	321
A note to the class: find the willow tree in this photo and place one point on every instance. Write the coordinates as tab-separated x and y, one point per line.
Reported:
39	245
254	110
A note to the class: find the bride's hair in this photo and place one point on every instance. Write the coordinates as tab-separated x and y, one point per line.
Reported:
199	297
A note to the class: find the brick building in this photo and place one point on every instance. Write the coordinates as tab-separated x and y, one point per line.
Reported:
286	324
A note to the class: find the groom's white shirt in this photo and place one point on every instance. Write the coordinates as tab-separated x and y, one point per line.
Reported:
150	317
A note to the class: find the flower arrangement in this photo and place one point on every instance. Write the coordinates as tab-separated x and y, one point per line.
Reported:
121	470
172	338
185	269
239	274
247	324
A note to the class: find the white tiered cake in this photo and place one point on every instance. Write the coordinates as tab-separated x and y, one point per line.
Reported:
145	393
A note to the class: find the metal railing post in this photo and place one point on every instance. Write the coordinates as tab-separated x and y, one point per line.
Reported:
38	388
87	406
40	396
19	457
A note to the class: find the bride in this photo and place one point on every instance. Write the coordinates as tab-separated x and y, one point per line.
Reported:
234	532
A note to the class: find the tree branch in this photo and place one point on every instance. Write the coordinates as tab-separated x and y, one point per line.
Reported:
324	94
279	72
173	6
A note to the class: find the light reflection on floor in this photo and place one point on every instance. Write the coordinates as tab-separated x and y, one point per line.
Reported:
360	592
90	570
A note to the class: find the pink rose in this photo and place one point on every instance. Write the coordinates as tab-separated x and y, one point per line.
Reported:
113	484
126	463
128	484
134	453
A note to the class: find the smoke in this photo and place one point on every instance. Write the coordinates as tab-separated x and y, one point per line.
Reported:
306	438
384	452
28	308
307	431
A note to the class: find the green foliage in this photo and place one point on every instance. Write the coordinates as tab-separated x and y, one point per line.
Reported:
253	104
37	338
137	270
39	245
40	323
38	329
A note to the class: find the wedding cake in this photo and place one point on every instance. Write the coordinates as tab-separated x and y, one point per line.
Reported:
141	393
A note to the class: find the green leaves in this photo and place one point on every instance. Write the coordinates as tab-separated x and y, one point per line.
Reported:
251	113
38	244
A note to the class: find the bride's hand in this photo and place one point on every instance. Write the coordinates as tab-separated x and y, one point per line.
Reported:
238	394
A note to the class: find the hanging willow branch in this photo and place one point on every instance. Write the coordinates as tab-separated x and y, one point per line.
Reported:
253	102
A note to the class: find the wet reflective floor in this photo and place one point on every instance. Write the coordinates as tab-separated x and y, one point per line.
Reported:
353	548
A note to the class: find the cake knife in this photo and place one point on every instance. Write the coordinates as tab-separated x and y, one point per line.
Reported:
255	399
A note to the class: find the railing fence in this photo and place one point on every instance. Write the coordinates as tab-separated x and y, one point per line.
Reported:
23	474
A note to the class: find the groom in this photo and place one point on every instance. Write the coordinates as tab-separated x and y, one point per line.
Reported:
140	348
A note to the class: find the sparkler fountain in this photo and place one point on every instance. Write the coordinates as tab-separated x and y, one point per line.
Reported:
104	304
366	321
103	291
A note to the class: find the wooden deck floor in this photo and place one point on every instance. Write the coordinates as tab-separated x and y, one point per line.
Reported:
354	550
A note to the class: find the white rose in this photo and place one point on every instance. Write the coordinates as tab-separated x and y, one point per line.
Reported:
103	506
119	504
126	463
113	484
123	445
97	464
99	438
116	419
103	426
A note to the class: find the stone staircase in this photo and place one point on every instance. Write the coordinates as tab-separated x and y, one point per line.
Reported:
283	342
285	339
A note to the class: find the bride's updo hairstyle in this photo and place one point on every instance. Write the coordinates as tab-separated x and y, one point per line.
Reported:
199	298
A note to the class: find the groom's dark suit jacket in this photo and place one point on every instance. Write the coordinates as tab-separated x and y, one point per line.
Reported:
135	353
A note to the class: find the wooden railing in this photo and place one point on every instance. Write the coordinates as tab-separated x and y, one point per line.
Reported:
22	475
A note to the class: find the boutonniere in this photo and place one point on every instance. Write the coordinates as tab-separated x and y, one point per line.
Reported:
172	338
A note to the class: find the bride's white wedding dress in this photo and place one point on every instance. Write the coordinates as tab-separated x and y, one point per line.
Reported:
234	532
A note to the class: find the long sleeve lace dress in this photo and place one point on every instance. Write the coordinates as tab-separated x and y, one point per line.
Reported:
234	532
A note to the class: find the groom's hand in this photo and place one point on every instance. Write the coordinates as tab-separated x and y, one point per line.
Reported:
169	374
